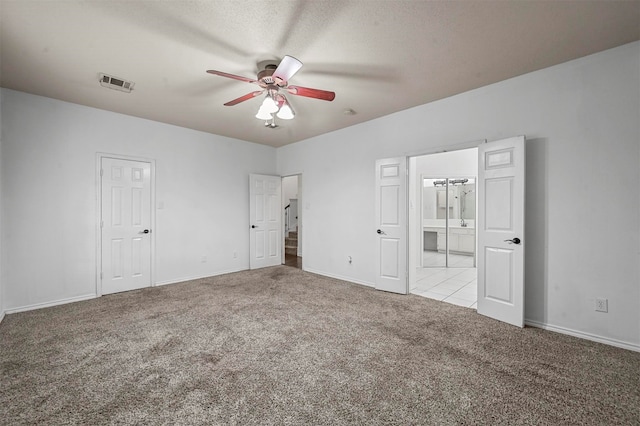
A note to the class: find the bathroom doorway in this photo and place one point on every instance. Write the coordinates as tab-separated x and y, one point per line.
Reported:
442	218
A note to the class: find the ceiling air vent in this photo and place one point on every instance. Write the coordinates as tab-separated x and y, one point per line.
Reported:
116	83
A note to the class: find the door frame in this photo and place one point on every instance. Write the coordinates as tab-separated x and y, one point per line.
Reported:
300	217
152	162
411	277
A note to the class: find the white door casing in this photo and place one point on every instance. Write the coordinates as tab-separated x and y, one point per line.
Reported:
265	221
391	225
501	184
125	225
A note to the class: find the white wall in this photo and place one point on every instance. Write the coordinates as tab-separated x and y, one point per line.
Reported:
289	189
460	163
49	196
582	232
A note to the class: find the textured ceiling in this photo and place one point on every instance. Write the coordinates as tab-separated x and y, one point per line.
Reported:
378	56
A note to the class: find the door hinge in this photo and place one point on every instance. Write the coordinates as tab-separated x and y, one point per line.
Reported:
101	172
101	275
102	224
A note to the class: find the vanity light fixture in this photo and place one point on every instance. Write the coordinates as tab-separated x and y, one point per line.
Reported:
451	182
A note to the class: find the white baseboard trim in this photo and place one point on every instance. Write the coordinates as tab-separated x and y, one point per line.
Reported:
338	277
583	335
1	316
196	277
50	304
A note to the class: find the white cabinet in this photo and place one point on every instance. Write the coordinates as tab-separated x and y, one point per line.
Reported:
442	240
466	243
461	240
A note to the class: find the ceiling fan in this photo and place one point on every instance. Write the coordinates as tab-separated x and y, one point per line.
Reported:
274	80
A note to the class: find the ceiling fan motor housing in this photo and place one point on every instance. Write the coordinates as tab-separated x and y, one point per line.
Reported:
265	77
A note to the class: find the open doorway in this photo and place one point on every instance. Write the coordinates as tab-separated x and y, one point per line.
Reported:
291	202
442	232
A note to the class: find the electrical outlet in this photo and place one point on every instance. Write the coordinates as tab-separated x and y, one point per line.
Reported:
235	254
602	305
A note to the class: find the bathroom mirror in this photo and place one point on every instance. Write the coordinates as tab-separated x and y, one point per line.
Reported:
461	203
448	243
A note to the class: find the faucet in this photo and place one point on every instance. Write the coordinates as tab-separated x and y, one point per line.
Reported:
463	223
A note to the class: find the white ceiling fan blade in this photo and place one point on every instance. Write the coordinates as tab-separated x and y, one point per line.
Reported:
287	68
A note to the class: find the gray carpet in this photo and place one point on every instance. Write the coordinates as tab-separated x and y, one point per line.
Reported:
281	346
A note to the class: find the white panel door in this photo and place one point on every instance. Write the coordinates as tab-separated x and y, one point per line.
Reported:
391	225
125	224
501	230
265	215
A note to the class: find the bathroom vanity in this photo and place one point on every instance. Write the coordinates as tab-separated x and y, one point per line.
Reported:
462	240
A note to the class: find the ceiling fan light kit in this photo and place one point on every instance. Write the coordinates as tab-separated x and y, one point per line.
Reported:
272	79
269	105
285	113
263	115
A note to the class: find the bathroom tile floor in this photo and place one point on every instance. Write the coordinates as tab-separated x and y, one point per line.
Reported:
452	285
433	258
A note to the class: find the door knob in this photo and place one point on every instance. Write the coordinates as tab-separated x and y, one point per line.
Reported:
253	226
146	231
515	240
380	231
